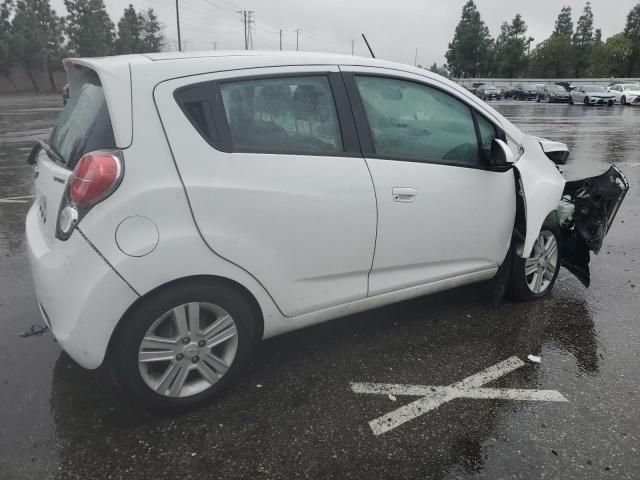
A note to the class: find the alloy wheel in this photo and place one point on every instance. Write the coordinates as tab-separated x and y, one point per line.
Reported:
541	266
188	349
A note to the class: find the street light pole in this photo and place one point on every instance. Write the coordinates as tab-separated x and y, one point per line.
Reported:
529	40
178	25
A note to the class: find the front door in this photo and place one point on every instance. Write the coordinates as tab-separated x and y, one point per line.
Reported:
442	212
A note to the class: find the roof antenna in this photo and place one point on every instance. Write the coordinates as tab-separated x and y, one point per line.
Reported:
368	46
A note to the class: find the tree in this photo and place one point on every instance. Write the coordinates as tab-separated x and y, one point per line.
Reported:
632	31
439	70
6	31
469	51
583	41
511	47
550	58
129	32
37	37
152	37
90	30
615	54
564	23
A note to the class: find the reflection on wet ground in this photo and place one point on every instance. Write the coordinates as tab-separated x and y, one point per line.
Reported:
61	421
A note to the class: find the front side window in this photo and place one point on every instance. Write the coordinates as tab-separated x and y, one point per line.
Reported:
294	114
487	134
411	120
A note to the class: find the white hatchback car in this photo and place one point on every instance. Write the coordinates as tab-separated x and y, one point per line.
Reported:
189	205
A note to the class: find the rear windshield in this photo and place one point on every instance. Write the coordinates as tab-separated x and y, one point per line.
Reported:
84	124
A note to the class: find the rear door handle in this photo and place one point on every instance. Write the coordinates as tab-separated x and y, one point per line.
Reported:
403	194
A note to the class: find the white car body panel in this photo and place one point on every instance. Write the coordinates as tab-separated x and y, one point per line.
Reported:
542	184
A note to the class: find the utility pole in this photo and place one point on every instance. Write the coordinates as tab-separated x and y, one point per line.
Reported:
529	40
298	30
415	59
178	25
352	45
247	20
280	39
215	45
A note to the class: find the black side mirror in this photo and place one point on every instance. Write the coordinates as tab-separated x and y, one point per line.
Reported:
31	159
501	155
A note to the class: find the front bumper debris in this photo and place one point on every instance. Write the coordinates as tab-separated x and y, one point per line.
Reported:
596	201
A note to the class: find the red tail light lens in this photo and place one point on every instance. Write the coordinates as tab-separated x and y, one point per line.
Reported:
96	175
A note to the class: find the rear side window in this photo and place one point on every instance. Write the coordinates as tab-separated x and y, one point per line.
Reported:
84	125
282	114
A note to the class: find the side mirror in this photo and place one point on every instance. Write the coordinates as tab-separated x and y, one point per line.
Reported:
31	159
501	154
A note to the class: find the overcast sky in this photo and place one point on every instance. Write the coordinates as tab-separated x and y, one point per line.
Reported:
394	28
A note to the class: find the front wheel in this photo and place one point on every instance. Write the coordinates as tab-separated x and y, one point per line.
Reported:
534	277
623	101
586	101
182	346
570	100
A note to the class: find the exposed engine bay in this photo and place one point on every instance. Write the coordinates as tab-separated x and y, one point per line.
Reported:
585	213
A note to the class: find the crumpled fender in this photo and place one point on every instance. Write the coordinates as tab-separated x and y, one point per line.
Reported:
542	185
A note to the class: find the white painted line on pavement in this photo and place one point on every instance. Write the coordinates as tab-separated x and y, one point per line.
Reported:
434	396
22	199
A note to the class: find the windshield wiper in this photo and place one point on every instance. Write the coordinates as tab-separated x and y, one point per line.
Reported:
52	152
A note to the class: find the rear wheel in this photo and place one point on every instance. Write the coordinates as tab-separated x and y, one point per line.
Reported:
586	101
181	347
534	277
623	101
570	100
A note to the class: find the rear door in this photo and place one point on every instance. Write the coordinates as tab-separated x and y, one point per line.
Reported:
277	185
442	212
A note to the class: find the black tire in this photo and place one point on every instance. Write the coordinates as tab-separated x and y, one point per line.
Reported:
586	101
623	100
570	100
538	99
610	103
519	289
124	349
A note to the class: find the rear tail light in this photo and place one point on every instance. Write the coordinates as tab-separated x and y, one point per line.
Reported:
96	176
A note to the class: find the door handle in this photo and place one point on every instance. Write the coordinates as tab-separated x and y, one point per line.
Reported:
403	194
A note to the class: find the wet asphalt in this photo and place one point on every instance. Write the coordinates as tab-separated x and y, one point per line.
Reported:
294	415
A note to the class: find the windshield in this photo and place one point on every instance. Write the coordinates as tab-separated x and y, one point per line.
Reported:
633	86
83	126
531	87
594	88
491	87
557	89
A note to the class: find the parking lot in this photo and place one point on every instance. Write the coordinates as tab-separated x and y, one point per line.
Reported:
304	407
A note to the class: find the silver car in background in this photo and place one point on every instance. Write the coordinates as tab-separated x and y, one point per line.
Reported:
591	95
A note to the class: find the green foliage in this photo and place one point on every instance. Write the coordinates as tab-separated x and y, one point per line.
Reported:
139	32
439	70
6	53
89	28
469	52
564	23
583	42
632	31
551	58
511	48
37	37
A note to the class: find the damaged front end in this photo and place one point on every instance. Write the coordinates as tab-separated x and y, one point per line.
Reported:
585	213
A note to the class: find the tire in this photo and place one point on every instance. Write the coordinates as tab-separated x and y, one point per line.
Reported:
610	103
186	372
570	100
538	99
623	101
523	287
586	101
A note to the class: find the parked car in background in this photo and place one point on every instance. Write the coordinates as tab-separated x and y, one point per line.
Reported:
626	93
488	92
506	91
65	94
553	94
591	95
343	212
525	92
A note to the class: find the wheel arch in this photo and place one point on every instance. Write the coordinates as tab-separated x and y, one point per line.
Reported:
192	280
